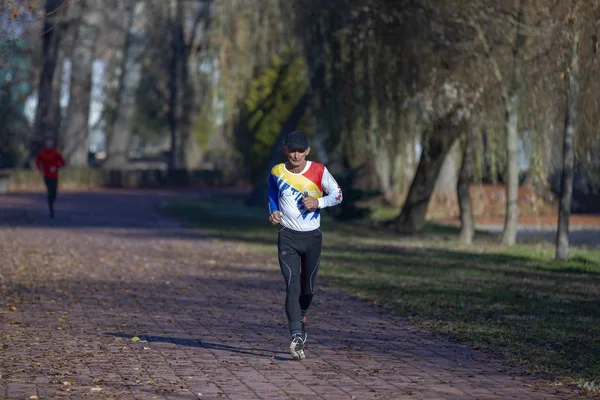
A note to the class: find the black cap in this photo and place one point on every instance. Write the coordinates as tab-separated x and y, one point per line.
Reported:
296	140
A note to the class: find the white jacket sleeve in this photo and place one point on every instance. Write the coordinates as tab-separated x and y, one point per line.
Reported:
333	190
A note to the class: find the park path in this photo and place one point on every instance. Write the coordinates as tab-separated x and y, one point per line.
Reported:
79	290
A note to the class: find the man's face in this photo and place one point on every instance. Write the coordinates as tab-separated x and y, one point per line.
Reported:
296	157
49	144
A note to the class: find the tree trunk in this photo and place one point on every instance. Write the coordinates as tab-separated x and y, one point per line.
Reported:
513	102
45	124
327	143
412	218
176	90
410	164
131	75
57	83
191	152
465	178
322	134
509	234
319	141
76	134
260	190
568	158
383	172
448	176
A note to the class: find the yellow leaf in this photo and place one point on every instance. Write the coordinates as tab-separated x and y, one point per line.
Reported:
15	13
135	339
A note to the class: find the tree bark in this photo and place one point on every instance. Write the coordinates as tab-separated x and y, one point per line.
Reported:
175	87
568	158
45	123
57	83
465	178
448	176
76	134
190	151
512	105
131	75
181	93
438	143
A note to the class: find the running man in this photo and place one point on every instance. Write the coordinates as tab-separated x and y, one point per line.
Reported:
49	161
295	201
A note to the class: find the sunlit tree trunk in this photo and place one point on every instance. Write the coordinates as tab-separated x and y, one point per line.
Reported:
512	97
465	178
513	104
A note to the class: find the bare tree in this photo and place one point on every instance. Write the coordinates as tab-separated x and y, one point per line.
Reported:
512	85
575	23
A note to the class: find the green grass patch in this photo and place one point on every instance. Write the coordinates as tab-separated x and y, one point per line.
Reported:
518	302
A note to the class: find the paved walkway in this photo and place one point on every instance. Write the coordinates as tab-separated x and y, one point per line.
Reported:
209	318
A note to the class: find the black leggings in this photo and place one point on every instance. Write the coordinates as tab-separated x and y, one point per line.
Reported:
299	257
52	187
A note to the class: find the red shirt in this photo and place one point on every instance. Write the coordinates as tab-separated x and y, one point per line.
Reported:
49	161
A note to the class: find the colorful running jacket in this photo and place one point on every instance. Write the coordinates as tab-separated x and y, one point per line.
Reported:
286	190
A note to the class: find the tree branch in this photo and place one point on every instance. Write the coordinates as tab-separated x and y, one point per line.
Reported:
493	62
203	15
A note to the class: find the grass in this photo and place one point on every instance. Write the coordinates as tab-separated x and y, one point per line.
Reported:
518	302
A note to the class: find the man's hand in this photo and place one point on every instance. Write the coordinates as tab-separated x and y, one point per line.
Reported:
274	218
310	203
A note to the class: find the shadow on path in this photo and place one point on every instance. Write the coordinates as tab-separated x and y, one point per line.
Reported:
205	345
104	208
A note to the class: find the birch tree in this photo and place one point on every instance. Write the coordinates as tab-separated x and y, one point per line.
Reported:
465	178
580	27
512	84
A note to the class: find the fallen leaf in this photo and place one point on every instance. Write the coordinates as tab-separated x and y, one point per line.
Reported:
15	13
135	339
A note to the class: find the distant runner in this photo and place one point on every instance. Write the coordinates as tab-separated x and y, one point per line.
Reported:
295	201
49	161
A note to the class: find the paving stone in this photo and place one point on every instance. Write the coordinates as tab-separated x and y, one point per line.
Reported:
208	315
